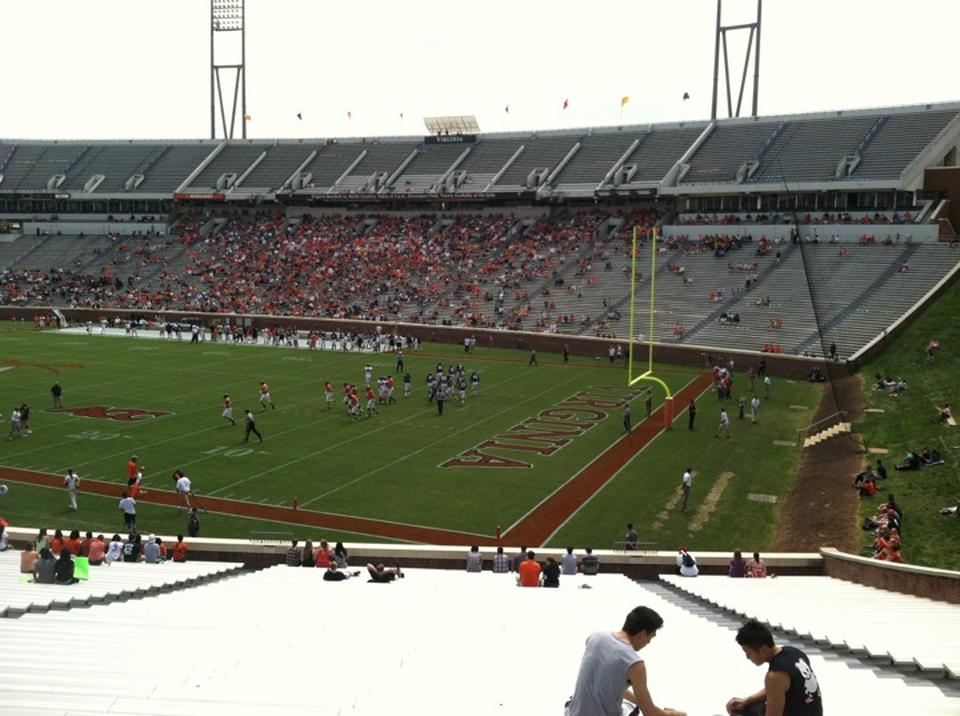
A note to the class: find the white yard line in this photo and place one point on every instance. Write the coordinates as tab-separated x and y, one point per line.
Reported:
437	442
340	444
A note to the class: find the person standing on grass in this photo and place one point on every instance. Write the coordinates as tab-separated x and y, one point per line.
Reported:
184	488
57	392
648	402
790	687
251	426
626	418
533	357
686	484
71	482
767	383
724	426
228	409
691	414
193	523
128	506
611	672
133	467
265	396
399	368
15	429
755	409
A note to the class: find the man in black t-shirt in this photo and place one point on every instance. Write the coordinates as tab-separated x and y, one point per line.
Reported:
790	687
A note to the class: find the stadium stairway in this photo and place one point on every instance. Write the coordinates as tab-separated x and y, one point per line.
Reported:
826	434
258	643
915	636
115	582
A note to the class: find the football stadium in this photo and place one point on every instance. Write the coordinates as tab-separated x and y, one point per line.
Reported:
684	369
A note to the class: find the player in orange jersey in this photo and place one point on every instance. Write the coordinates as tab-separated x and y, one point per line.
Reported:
265	396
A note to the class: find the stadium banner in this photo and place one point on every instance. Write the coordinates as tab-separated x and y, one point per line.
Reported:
366	197
450	139
189	196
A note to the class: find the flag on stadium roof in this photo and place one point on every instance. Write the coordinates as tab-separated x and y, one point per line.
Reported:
624	101
566	103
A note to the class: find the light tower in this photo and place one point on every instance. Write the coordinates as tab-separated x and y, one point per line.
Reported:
227	23
753	44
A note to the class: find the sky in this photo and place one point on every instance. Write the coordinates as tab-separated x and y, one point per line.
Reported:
119	69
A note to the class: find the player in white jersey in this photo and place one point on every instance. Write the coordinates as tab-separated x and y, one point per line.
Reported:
367	374
71	482
228	409
184	487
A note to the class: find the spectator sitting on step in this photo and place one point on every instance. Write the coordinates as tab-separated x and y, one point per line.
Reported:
738	565
529	571
132	548
45	568
551	573
306	555
686	563
756	568
590	564
293	554
474	559
115	549
28	558
63	569
322	556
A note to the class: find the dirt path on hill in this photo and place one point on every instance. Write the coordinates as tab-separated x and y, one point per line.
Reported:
533	529
821	508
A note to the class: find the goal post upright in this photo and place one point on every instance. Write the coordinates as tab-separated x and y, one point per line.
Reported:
648	374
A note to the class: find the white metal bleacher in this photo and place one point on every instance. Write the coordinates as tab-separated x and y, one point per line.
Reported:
284	641
118	581
883	624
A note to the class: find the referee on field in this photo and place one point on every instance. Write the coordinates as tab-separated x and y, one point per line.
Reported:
251	424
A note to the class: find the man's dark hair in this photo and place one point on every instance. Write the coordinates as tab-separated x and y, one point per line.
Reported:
293	543
530	554
754	635
642	619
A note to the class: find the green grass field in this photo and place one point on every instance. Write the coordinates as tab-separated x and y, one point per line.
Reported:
908	423
387	467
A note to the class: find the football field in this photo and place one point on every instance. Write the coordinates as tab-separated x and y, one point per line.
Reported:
538	451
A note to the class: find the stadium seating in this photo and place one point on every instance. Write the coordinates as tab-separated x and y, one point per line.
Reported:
167	171
657	152
725	149
541	153
486	159
860	619
379	160
282	639
277	167
234	158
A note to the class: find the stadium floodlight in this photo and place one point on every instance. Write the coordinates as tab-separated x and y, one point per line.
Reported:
458	124
228	16
753	45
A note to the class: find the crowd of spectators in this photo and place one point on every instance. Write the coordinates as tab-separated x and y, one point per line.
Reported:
54	559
